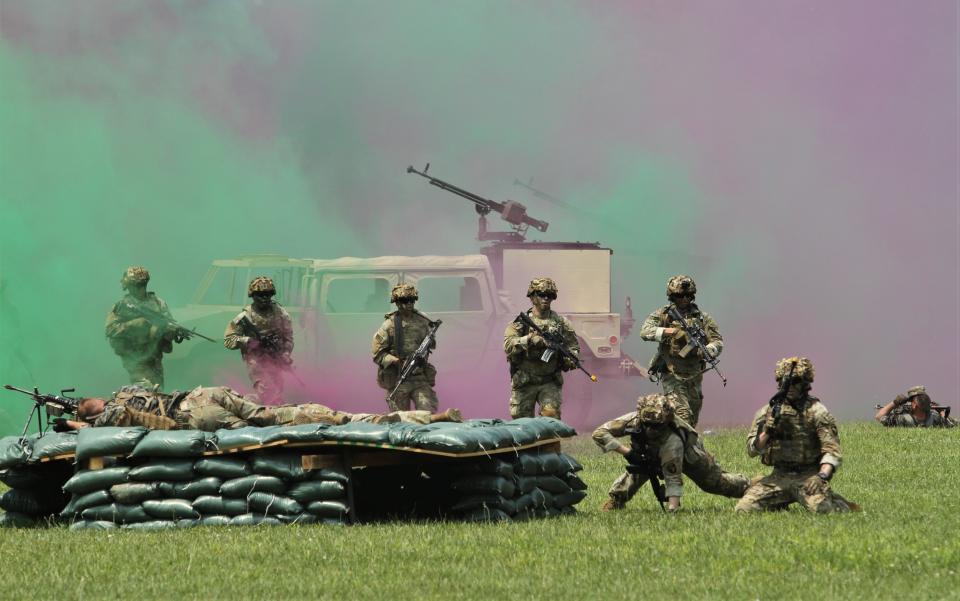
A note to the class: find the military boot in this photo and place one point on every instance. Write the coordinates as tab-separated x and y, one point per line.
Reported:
612	504
450	415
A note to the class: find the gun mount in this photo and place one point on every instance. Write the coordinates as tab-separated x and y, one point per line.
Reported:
510	211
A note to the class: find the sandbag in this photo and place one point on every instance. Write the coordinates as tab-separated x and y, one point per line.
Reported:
337	474
22	477
541	428
115	512
188	523
170	509
474	502
171	443
241	487
52	444
86	481
132	493
242	437
215	520
85	525
574	481
552	484
209	505
526	484
485	484
13	519
14	451
298	433
249	519
485	515
533	464
169	469
316	490
151	525
31	502
300	518
441	436
535	498
328	509
570	498
273	504
191	489
359	432
108	440
80	502
288	466
572	464
487	466
222	467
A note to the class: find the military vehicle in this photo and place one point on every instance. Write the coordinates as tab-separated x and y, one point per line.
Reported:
337	304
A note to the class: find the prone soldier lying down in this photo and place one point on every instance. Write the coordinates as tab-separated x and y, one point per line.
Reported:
213	408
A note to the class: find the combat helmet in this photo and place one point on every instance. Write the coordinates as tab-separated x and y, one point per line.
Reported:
916	390
135	274
681	284
544	285
402	292
261	284
655	409
803	370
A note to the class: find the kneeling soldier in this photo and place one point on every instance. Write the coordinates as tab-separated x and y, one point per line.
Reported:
657	433
802	445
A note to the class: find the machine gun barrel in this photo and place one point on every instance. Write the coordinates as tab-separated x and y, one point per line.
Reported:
512	212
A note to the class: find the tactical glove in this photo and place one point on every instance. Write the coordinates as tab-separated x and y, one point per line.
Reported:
771	426
900	400
814	485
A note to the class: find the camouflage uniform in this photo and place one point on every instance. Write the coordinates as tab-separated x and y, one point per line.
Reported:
902	413
139	344
804	440
417	389
679	366
212	408
677	445
533	381
265	366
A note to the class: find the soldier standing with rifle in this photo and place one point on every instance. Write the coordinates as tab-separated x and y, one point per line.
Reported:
535	361
264	334
688	340
398	349
140	329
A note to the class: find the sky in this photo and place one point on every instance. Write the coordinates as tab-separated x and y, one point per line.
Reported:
798	159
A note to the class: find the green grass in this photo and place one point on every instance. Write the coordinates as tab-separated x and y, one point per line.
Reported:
902	546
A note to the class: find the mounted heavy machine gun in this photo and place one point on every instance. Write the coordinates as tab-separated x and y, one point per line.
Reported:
510	211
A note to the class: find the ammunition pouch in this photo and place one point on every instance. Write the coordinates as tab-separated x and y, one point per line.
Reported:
148	420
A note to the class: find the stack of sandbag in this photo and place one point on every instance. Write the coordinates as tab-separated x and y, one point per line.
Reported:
166	482
531	485
35	494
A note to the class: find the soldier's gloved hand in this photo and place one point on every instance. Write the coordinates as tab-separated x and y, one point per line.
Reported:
634	457
153	332
534	339
567	364
390	360
814	485
900	400
770	425
709	352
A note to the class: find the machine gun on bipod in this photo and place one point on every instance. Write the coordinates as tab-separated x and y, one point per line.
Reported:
51	405
510	211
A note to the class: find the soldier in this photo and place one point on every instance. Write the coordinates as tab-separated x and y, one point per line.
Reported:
666	436
140	329
914	409
678	364
534	380
801	444
399	337
264	334
212	408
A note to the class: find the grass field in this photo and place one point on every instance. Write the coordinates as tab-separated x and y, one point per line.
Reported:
902	546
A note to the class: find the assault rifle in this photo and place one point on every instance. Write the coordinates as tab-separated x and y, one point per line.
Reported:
512	212
50	404
270	343
554	345
419	357
698	338
642	462
778	399
161	321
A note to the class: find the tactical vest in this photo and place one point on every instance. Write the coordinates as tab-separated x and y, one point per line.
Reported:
797	446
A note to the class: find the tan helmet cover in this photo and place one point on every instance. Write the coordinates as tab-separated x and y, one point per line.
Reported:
541	285
802	371
261	284
655	409
403	292
135	274
681	284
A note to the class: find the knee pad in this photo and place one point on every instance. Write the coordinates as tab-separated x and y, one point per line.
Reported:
550	411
